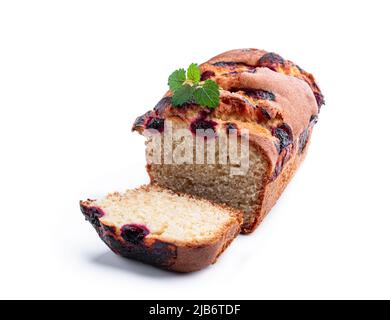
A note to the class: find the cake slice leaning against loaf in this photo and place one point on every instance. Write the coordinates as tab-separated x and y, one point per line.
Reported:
156	226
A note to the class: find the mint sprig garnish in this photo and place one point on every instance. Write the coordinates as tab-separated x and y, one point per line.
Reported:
187	87
207	94
193	73
176	79
183	94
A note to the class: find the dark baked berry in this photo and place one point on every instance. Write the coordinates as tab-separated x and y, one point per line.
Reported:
207	75
313	119
232	73
225	63
162	105
303	139
202	124
284	134
238	101
134	233
304	136
252	70
260	94
284	156
203	114
320	99
156	124
231	127
265	114
270	59
231	65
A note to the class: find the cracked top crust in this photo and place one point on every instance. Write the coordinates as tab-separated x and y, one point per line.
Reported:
260	91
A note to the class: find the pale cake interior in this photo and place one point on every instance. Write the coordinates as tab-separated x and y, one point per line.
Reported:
214	181
168	216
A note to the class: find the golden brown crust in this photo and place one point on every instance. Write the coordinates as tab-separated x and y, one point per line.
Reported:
273	191
254	58
170	255
193	258
272	97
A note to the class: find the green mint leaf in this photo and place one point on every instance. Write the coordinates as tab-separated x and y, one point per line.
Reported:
193	73
182	95
207	94
176	79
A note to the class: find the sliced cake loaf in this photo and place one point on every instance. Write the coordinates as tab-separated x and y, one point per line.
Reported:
273	99
156	226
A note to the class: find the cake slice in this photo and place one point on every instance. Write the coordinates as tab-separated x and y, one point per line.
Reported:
154	225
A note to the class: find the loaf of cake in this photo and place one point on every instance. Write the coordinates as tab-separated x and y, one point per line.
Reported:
197	204
273	99
172	231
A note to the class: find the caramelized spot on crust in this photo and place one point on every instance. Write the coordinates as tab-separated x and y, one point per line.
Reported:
92	214
108	229
162	105
320	99
207	75
140	121
271	60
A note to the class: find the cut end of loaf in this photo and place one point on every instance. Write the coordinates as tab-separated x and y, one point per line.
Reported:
213	181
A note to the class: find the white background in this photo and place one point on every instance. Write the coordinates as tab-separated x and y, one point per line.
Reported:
75	74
